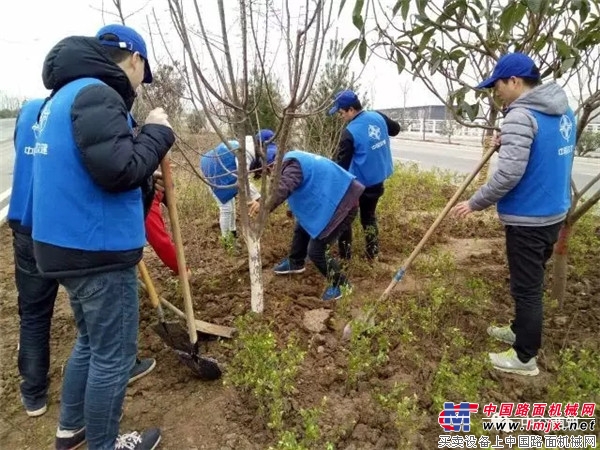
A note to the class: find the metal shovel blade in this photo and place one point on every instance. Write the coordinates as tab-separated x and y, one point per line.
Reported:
173	335
207	369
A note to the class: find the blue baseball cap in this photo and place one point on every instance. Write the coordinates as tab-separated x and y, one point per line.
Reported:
512	65
128	39
264	135
344	99
271	150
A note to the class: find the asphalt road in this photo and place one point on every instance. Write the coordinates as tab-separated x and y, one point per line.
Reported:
7	158
464	158
453	157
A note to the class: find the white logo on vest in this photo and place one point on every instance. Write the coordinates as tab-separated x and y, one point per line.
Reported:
374	132
39	126
40	147
566	127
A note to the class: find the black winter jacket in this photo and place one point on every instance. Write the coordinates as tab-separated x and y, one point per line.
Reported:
345	151
115	159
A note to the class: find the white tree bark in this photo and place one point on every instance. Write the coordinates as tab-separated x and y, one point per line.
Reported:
256	275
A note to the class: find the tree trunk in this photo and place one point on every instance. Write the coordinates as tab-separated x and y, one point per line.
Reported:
561	255
488	142
256	274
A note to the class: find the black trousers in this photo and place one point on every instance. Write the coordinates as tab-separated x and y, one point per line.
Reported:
528	249
316	249
368	219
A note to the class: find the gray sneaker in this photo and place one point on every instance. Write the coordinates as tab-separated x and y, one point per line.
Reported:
504	334
509	362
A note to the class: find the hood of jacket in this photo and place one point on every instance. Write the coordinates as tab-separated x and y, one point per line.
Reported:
84	57
548	98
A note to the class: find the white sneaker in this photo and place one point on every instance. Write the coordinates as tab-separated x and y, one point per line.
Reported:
35	412
509	362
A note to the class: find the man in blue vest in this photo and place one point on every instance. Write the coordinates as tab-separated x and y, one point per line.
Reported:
531	188
36	294
88	220
323	211
365	152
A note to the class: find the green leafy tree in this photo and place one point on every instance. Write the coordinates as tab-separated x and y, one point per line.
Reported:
196	121
266	100
450	46
588	142
321	132
167	90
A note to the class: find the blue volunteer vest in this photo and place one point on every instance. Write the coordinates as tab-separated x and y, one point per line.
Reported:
545	189
323	186
23	168
271	153
69	209
372	160
219	168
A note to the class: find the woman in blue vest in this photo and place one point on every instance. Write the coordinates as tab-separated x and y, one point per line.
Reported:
532	190
323	211
219	166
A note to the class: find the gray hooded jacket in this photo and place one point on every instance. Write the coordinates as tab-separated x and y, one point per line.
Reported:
517	133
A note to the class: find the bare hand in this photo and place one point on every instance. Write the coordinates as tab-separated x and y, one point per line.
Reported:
188	271
253	208
159	182
461	209
158	116
496	140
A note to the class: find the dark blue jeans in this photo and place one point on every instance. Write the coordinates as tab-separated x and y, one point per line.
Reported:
36	297
105	307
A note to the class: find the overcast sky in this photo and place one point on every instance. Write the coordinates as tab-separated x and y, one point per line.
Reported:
29	28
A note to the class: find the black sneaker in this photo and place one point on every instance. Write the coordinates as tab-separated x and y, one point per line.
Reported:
147	440
69	439
141	368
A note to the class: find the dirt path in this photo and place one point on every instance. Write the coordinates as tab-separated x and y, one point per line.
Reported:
211	416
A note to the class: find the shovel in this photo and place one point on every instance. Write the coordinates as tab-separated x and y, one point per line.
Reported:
206	330
204	368
367	318
172	334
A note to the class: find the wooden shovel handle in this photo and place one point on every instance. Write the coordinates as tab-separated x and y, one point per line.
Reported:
181	264
148	284
437	221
